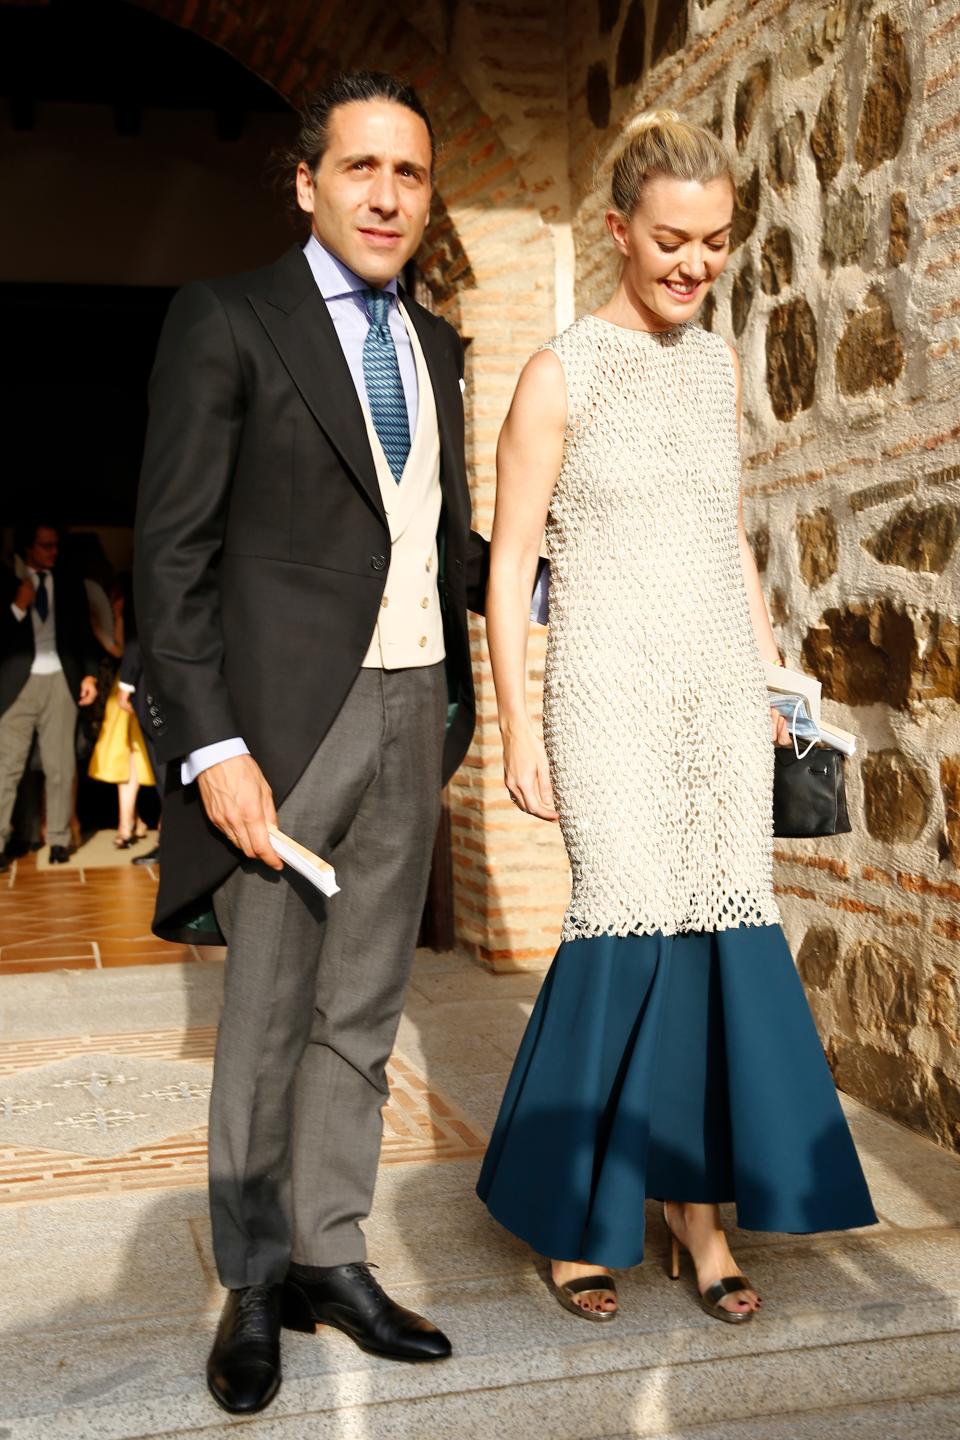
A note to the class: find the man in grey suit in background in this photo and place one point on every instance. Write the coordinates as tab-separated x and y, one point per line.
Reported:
304	565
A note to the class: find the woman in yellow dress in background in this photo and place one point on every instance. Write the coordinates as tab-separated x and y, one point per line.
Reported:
120	755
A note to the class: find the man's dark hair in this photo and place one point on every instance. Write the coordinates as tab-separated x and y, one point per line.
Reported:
346	88
25	532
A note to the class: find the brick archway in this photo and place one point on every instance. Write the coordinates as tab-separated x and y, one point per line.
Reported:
488	259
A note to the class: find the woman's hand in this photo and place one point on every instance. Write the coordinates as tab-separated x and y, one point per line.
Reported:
527	775
779	728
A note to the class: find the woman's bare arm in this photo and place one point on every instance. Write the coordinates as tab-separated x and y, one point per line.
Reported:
529	454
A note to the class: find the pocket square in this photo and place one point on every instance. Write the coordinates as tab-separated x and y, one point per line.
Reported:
463	385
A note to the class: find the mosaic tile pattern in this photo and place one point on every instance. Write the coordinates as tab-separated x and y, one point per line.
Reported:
108	1114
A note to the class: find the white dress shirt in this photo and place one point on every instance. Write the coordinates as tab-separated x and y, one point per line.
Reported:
46	661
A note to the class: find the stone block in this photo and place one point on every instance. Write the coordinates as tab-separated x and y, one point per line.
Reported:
791	348
887	97
882	991
776	261
870	353
598	95
608	13
844	229
818	956
942	1003
750	96
917	539
827	136
890	1080
863	653
760	545
669	30
779	608
784	148
896	796
745	209
950	789
899	245
939	674
818	544
809	45
741	296
630	50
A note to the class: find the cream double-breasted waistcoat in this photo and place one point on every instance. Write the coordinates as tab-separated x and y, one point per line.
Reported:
409	629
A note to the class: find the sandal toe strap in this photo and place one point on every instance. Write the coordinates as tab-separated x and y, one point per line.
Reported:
590	1282
729	1285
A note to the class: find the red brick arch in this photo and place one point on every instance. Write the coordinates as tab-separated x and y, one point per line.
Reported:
294	46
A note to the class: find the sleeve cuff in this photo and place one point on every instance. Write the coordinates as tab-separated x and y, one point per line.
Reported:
127	688
199	760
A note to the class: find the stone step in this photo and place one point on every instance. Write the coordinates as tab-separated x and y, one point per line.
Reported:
647	1384
935	1418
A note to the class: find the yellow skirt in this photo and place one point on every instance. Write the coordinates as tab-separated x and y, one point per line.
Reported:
120	734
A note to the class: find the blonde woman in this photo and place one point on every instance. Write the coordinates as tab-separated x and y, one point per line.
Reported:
671	1053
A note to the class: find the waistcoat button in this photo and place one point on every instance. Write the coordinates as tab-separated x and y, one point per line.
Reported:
378	562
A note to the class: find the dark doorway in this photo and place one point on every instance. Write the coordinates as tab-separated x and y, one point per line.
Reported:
74	372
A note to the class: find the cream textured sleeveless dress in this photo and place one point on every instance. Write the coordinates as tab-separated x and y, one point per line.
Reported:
656	719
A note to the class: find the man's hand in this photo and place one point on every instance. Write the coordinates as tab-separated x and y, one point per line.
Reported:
25	595
237	799
125	701
88	690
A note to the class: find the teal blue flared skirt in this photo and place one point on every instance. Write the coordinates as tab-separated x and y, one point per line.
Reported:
682	1067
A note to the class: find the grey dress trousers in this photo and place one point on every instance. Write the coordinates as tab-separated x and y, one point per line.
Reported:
314	986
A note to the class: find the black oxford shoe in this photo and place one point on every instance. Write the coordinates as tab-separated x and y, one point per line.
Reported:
59	854
348	1297
243	1372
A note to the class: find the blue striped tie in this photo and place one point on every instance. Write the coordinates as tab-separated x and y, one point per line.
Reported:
381	374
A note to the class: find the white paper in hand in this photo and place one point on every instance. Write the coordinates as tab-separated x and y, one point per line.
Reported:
299	858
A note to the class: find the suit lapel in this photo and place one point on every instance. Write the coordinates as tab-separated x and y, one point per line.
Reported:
295	316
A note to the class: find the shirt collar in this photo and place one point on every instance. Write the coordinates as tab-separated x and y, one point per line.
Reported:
333	277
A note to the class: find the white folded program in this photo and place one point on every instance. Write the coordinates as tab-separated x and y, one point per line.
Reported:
797	697
319	872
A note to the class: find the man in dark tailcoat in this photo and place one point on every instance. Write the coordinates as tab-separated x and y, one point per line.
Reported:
304	567
48	668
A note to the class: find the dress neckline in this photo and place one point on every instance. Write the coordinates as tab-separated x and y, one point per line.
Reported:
635	330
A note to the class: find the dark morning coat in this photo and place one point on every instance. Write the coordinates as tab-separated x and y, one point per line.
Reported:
75	643
262	547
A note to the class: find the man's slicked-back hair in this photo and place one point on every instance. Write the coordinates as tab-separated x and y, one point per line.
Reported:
347	88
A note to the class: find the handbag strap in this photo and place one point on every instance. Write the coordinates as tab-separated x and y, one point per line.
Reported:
793	733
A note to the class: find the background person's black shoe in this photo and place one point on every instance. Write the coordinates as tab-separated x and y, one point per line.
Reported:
151	857
243	1371
348	1297
59	854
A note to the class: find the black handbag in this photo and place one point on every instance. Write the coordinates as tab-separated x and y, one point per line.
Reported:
809	798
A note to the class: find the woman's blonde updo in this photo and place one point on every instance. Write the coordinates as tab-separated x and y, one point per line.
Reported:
661	142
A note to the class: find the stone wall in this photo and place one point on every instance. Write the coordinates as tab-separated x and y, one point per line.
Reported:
842	298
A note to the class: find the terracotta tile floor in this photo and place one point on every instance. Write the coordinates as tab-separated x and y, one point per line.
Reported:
72	918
